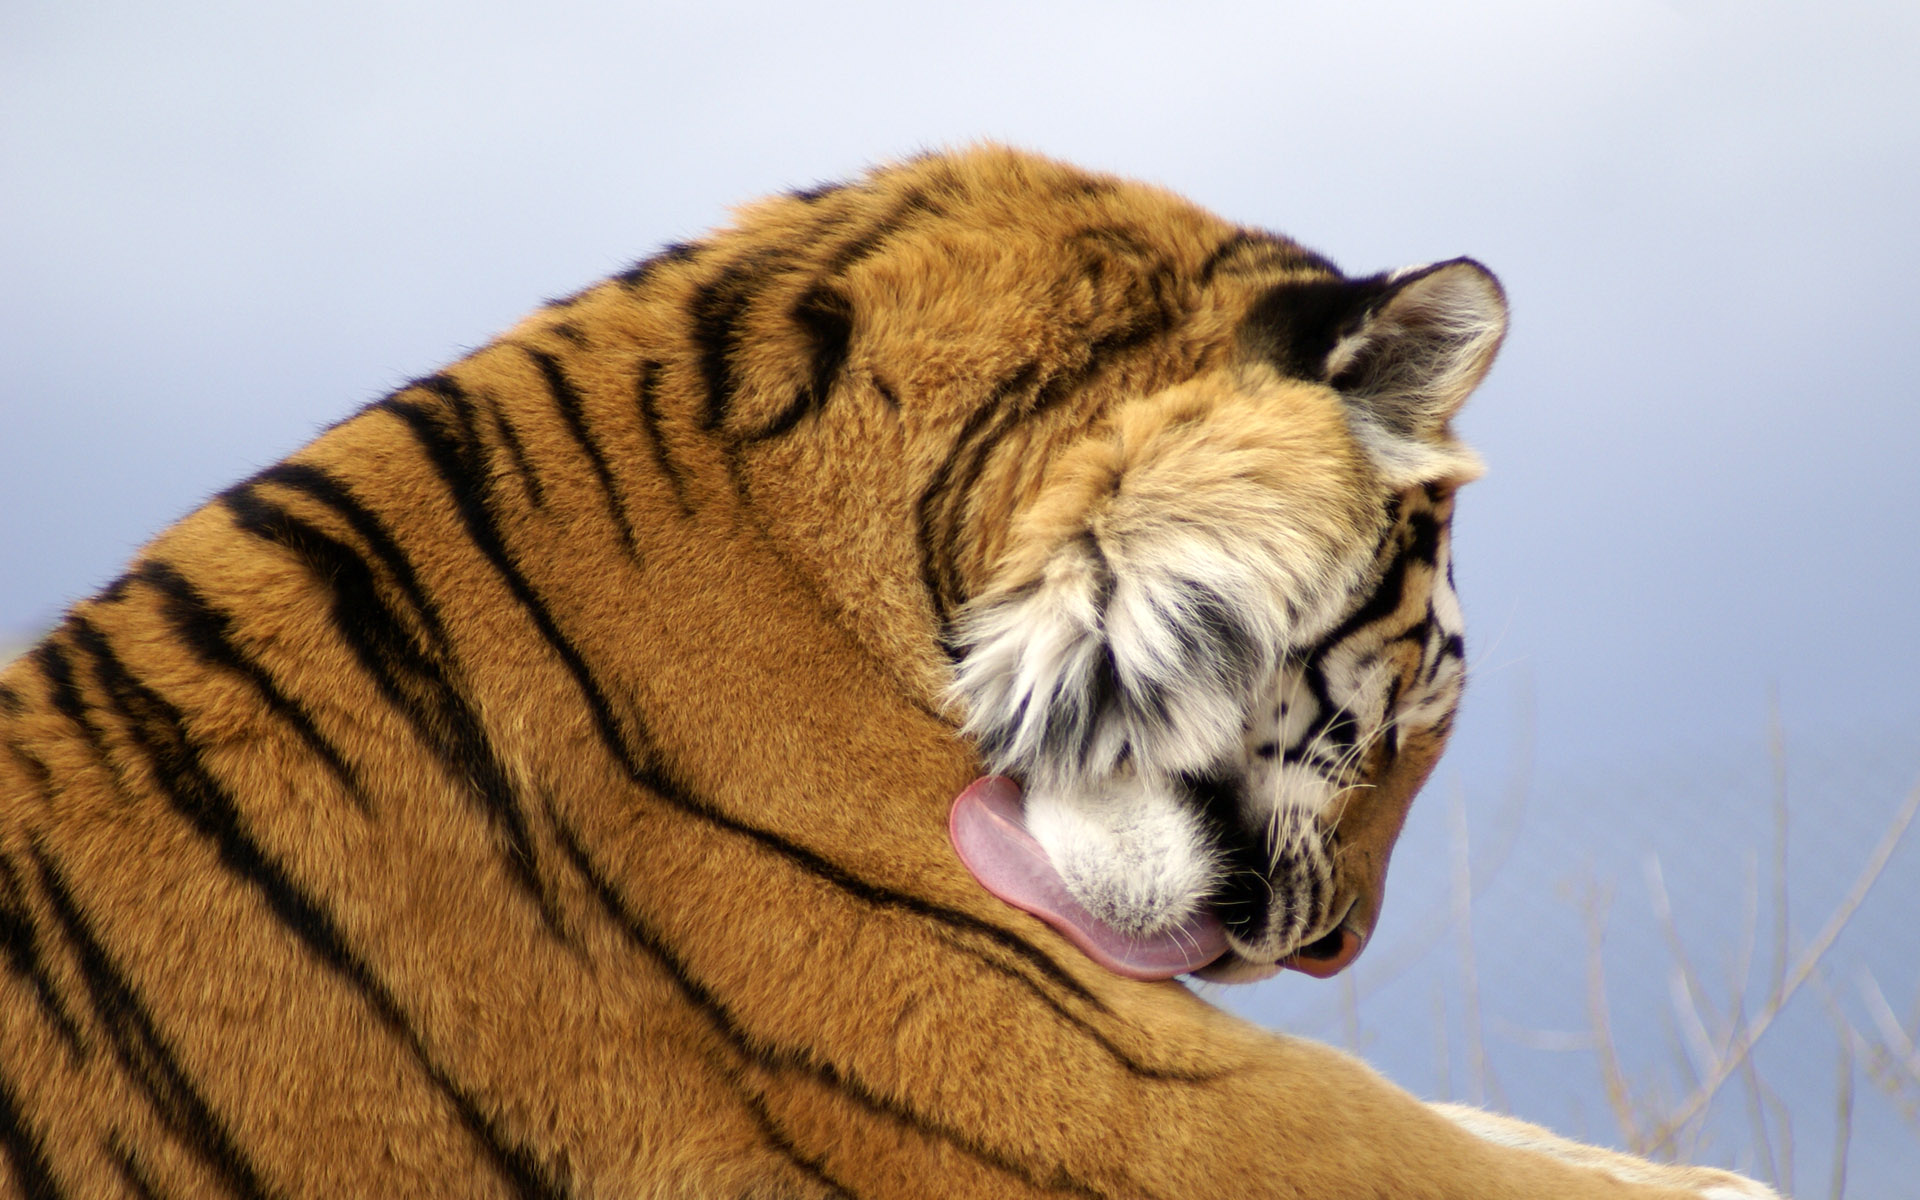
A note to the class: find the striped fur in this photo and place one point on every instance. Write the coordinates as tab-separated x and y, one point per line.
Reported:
536	785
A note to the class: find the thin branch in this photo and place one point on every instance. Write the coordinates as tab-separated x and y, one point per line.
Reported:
1350	1011
1752	1031
1619	1096
1777	751
1757	1113
1688	995
1469	972
1741	980
1897	1040
1847	1036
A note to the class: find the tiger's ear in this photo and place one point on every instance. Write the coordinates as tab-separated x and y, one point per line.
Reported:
1403	349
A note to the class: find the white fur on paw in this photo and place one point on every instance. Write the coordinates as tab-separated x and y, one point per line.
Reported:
1706	1182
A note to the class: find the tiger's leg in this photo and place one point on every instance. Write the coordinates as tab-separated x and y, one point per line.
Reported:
1519	1135
1309	1123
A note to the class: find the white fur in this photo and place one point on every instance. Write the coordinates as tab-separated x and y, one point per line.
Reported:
1124	840
1423	351
1704	1182
1406	462
1127	851
1118	602
1030	651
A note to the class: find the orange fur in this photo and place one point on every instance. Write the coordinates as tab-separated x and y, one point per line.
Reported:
538	785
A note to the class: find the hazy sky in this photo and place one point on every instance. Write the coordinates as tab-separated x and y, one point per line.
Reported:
227	225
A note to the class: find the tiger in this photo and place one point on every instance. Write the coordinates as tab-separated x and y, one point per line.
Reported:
781	723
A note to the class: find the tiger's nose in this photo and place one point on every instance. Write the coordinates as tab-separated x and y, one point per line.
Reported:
1328	956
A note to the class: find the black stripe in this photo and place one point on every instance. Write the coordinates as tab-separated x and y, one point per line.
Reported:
1423	537
914	207
145	1054
1452	646
414	679
444	453
567	399
814	1167
816	193
718	307
522	465
1383	603
1228	248
1323	743
23	1149
935	501
779	1059
825	315
874	894
324	489
940	562
208	632
21	944
160	730
1012	416
1091	1032
1389	730
715	312
470	499
1246	249
132	1173
37	770
1250	248
58	672
639	273
10	701
647	399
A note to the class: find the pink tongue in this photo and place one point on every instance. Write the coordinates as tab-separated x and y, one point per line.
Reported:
990	835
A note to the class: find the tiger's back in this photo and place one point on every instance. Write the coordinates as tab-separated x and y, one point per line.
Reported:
537	785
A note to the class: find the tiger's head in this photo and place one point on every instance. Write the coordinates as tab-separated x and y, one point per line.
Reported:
1154	508
1224	649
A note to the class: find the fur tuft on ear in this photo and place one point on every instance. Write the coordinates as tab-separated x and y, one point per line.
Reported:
1417	353
1403	349
1411	360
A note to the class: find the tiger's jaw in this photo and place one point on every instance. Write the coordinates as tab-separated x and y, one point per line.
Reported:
1274	853
1160	859
1305	895
1105	883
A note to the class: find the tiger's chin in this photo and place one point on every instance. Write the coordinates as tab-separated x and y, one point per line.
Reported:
1134	879
1232	968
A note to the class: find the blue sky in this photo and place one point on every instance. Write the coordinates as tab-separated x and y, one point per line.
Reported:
229	224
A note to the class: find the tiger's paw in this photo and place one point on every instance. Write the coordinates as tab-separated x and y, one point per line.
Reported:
1707	1183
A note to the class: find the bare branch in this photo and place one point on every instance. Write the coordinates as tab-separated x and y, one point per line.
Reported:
1688	996
1753	1030
1477	1072
1777	751
1594	908
1847	1036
